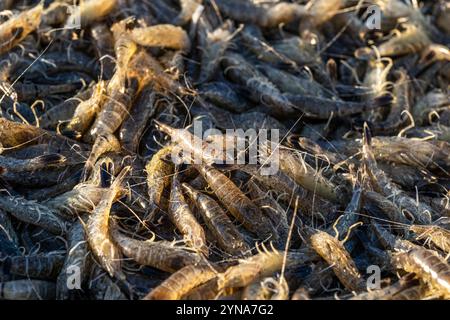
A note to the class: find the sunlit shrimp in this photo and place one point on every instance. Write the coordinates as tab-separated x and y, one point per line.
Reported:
27	290
90	11
237	203
413	39
97	230
421	212
17	28
333	251
86	111
437	235
181	282
428	267
162	35
184	220
77	256
103	144
162	255
226	234
263	264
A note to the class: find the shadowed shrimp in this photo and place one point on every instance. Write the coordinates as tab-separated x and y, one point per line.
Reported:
181	282
382	184
33	213
97	230
266	289
162	255
41	266
188	8
428	267
271	16
434	101
162	35
273	210
17	28
27	290
17	165
218	222
132	128
103	41
77	256
216	43
237	203
334	253
184	220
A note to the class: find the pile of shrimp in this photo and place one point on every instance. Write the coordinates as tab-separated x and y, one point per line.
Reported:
102	196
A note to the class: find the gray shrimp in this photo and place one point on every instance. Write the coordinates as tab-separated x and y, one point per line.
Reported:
184	220
27	290
218	222
77	257
33	213
162	255
41	266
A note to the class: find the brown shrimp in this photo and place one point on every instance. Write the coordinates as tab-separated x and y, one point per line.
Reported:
17	28
421	212
266	289
428	267
86	111
237	203
263	264
334	253
181	282
226	234
33	213
77	257
184	220
27	290
97	230
188	8
437	235
162	255
162	35
413	39
104	143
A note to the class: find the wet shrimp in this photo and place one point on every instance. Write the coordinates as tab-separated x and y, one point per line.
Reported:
11	165
237	203
13	31
182	282
226	234
181	216
162	255
97	230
